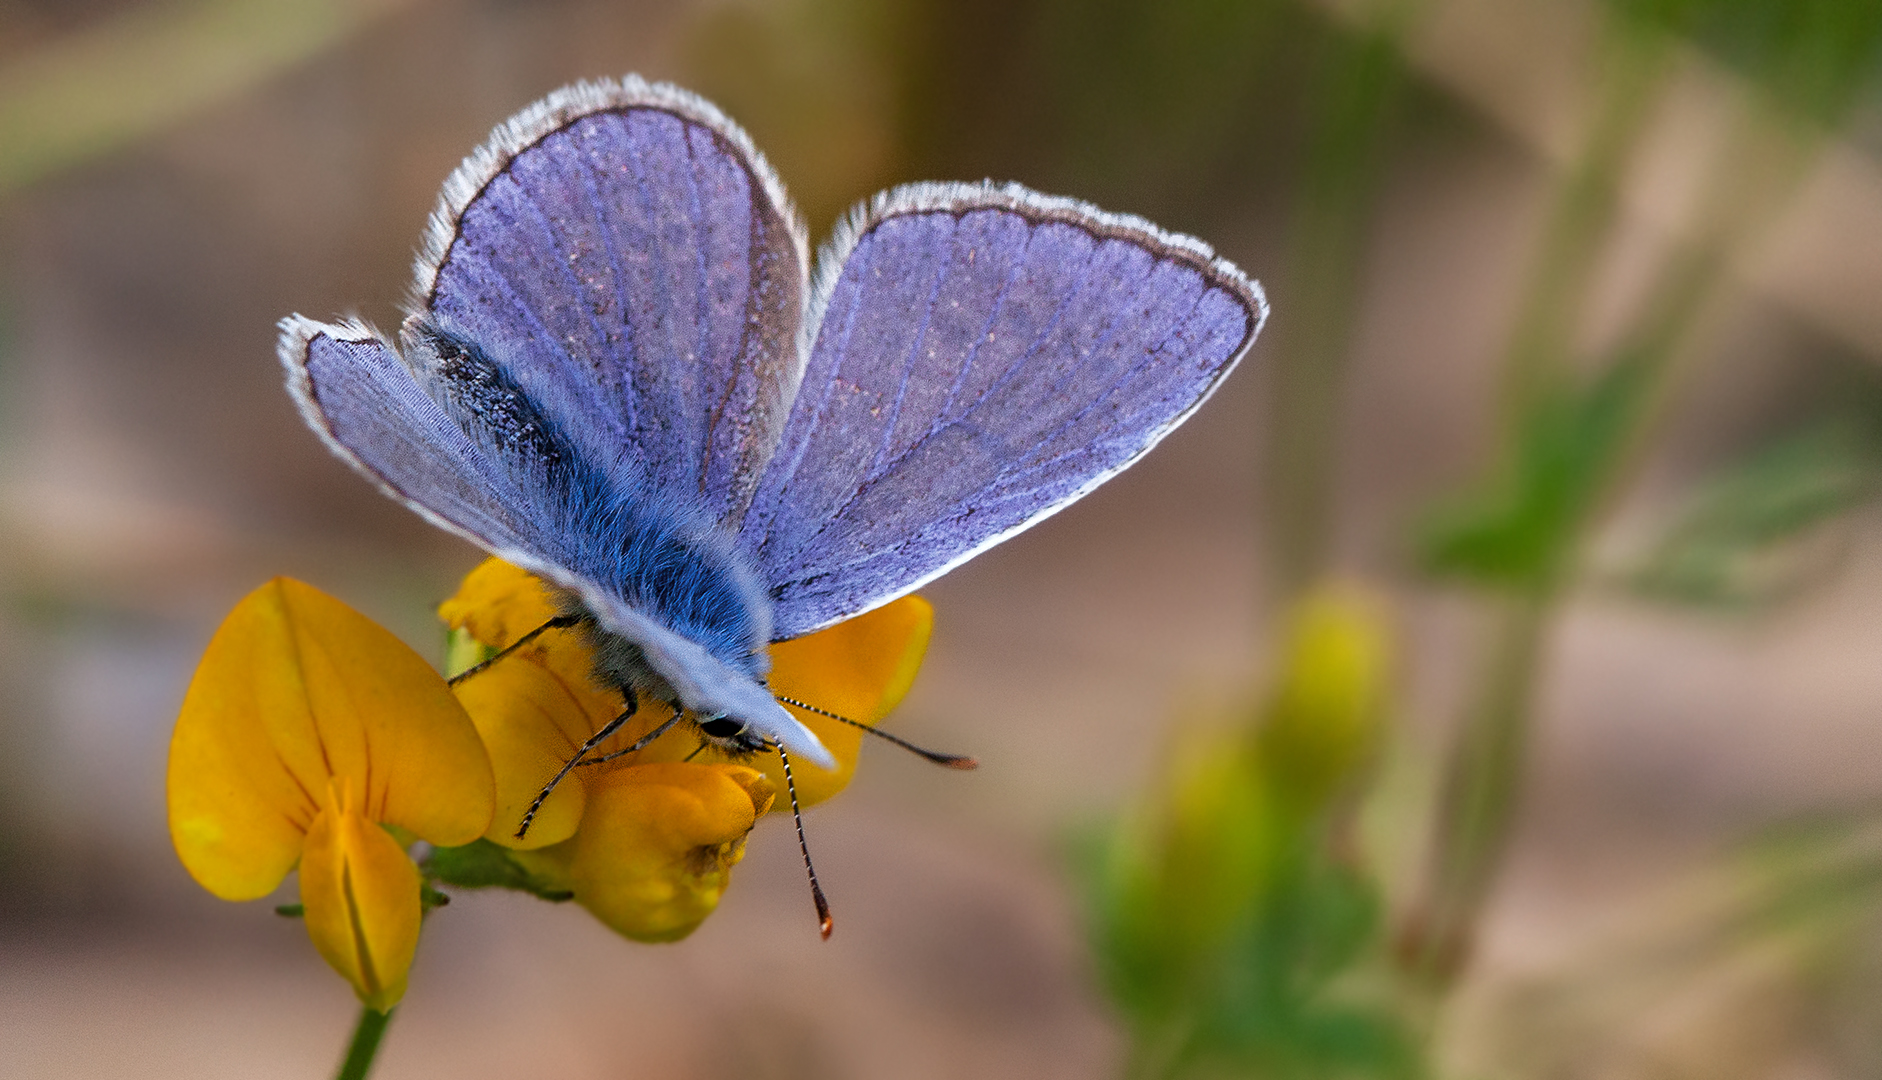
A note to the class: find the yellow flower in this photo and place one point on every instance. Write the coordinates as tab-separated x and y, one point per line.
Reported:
646	841
656	846
306	728
1324	717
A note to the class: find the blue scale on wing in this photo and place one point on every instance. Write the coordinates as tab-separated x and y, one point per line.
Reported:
636	280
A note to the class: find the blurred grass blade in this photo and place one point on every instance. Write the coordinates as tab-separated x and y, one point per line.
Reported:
1519	529
1356	89
1741	539
1813	57
106	87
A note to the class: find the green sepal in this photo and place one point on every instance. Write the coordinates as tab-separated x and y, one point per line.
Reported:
481	864
462	652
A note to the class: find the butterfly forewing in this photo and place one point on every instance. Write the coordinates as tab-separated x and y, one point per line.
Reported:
984	357
626	257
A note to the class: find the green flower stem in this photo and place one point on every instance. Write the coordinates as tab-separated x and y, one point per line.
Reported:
1761	166
365	1045
1482	781
1358	85
1479	796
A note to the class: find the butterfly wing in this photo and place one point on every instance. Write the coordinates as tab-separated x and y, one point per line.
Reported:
630	261
983	357
458	462
601	349
358	395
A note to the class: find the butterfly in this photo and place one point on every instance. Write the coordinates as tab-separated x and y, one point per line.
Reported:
619	372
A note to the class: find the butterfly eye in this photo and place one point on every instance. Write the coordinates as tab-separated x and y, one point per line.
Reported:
721	727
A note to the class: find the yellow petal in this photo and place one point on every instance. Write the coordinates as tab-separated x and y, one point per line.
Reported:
497	603
530	726
360	893
861	669
658	842
388	722
238	813
295	689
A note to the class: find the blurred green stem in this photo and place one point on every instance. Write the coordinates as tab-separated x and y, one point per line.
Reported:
1758	169
1480	794
365	1046
1357	85
1633	70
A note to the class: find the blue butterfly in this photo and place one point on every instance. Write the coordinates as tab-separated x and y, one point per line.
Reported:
618	372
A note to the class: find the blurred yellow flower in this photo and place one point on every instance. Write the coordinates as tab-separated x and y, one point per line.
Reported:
1325	714
306	728
646	841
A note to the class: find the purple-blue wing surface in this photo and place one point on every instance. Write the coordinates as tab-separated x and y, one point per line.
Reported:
983	356
630	263
362	400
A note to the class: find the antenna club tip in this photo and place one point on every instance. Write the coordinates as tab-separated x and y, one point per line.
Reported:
825	923
965	764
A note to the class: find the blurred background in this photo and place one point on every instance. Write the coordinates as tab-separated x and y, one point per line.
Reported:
1485	683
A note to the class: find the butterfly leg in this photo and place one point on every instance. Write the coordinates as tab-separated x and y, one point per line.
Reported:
559	622
599	737
643	740
607	731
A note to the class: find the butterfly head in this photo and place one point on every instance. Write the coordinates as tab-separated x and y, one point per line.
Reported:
731	735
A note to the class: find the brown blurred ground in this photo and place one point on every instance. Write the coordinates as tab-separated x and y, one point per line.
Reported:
152	471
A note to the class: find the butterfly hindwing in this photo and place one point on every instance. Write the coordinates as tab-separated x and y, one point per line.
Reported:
983	356
362	400
629	260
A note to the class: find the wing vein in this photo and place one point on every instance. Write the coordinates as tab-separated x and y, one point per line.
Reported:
591	190
510	293
869	483
1016	473
914	355
568	268
840	348
702	301
973	352
1085	272
1126	376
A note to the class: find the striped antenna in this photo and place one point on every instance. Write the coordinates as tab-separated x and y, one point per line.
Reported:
952	761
